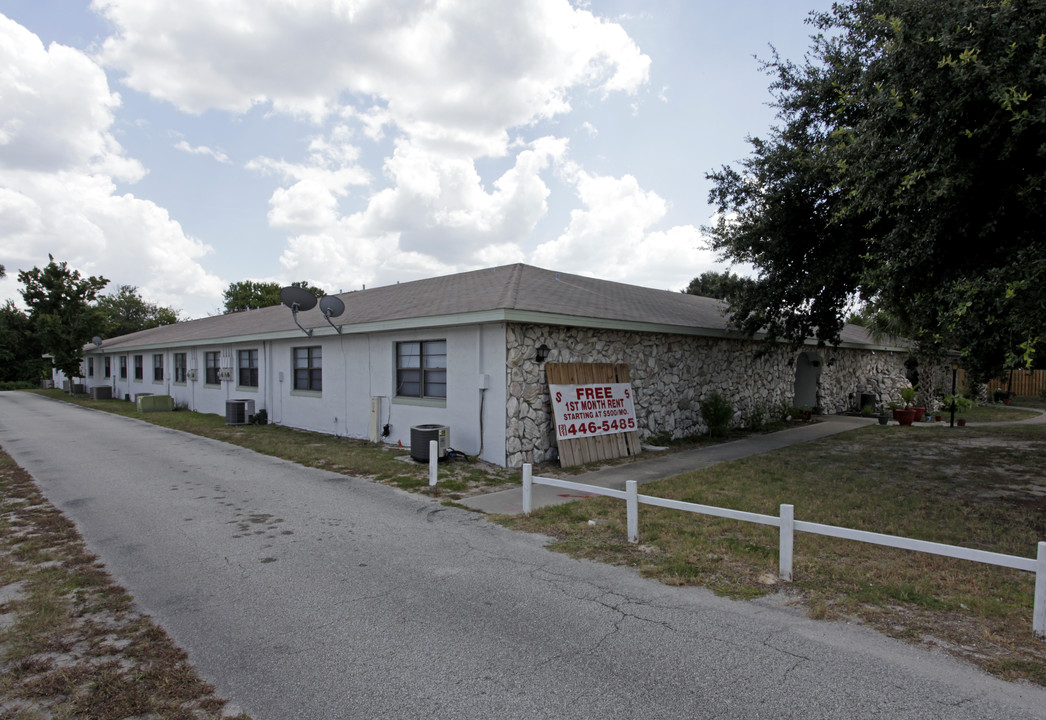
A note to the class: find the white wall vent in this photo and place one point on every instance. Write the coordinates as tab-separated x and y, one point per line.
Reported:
239	412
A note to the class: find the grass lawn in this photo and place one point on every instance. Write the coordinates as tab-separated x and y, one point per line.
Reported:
977	487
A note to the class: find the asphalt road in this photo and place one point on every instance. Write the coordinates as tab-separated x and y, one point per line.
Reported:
306	594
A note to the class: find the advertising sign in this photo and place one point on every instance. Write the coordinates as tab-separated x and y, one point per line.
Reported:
591	410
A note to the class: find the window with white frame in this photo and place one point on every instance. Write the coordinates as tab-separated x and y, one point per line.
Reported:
212	364
108	366
421	369
139	367
308	368
179	367
123	367
248	368
90	367
158	367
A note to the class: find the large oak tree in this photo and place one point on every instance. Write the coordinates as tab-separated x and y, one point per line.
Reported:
907	173
61	313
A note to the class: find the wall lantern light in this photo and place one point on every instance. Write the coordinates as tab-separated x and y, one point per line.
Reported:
542	353
831	361
791	362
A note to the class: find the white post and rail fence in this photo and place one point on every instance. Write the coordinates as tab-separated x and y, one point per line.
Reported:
788	525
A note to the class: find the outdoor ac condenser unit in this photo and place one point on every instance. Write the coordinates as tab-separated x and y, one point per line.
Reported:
420	435
101	392
239	412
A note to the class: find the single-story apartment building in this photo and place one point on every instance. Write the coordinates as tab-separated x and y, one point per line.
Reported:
461	351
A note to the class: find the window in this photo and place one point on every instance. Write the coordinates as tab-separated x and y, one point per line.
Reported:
139	373
308	368
212	364
158	368
421	369
179	367
123	367
248	368
108	366
90	367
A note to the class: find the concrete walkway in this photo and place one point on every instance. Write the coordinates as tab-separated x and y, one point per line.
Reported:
671	464
644	471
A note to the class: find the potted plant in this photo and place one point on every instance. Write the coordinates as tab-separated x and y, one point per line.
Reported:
884	417
908	414
961	404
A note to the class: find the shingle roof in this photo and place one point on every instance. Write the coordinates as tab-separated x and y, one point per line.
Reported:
507	291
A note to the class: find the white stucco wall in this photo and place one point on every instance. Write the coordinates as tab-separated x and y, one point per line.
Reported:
356	368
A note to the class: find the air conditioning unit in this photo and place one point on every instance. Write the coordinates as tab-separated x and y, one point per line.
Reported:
101	392
239	412
421	435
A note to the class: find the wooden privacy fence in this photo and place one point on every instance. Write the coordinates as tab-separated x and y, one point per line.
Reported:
788	525
1024	382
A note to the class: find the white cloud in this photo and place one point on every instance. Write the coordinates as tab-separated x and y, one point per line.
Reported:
436	217
613	236
58	167
202	150
455	74
56	109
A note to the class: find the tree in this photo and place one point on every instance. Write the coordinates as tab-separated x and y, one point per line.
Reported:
719	285
126	312
249	295
908	172
60	312
20	354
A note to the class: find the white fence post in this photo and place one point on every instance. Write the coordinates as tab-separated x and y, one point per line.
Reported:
632	510
433	459
784	562
528	488
1038	616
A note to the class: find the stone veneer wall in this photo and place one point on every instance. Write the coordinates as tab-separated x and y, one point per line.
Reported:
672	374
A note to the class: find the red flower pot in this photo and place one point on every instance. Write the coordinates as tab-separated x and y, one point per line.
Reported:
905	417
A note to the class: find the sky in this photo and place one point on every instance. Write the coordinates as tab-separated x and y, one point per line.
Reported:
181	146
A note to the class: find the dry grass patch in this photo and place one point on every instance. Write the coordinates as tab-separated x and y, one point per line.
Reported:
72	644
975	487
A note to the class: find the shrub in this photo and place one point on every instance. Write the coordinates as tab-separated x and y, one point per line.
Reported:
717	412
755	419
18	385
660	438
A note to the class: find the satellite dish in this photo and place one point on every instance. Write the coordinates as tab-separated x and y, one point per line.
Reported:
297	298
331	306
97	341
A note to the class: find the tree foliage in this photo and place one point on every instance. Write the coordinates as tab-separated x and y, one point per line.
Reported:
60	312
126	312
20	354
250	295
907	173
719	285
